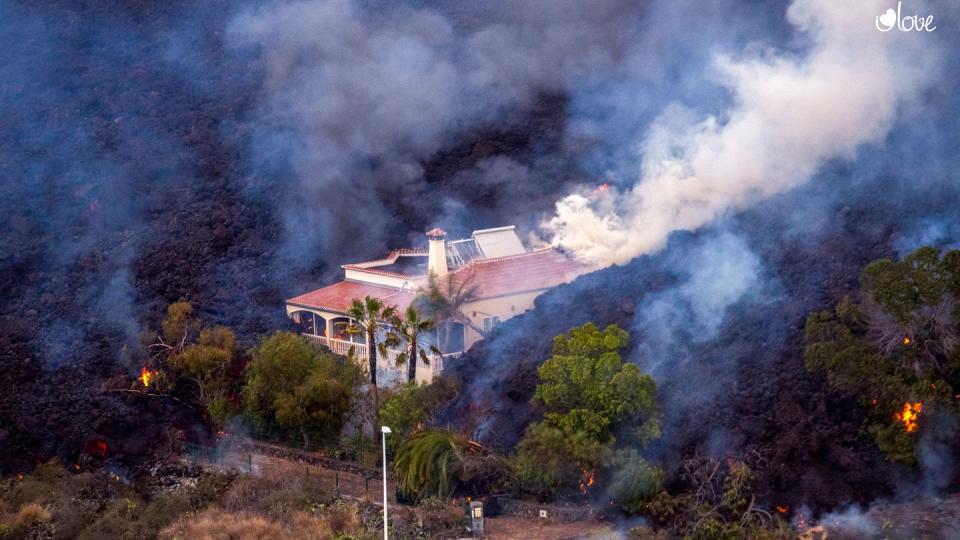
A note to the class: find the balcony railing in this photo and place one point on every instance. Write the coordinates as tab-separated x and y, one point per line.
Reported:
387	370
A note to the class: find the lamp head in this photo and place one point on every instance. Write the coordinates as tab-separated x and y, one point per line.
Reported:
385	429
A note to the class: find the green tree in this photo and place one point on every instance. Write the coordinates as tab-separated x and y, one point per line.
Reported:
413	407
206	364
369	316
407	332
896	349
591	397
179	325
292	387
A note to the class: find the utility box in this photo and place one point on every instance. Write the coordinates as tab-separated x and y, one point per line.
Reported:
476	518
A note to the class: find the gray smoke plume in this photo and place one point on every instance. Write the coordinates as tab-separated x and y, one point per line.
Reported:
788	114
360	94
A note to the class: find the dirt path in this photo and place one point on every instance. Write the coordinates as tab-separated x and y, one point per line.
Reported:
512	527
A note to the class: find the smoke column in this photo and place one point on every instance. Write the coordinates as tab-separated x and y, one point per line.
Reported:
787	115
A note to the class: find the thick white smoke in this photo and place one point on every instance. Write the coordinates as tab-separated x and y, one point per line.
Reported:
788	114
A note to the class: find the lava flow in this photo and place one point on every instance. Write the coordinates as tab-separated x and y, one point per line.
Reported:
908	417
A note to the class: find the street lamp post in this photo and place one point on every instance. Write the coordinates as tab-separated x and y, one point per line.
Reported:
383	435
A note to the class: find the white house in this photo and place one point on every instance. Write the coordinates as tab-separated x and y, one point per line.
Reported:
503	276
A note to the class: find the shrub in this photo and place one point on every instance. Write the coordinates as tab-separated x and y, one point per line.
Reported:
413	407
436	516
31	514
276	495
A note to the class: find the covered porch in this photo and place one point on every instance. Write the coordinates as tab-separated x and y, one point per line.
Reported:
327	329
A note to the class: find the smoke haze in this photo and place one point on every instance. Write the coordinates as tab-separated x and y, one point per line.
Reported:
789	113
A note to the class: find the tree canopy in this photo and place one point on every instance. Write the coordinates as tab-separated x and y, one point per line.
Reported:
596	409
893	345
294	388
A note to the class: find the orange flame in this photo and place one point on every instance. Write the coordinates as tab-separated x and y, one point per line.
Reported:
146	376
906	340
587	479
782	509
908	417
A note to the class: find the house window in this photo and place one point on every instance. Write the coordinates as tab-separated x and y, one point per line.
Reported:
489	323
309	323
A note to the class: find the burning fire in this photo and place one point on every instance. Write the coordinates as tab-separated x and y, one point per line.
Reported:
782	509
906	340
908	417
97	448
587	479
146	376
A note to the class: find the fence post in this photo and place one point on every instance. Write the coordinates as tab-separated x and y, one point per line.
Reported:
336	484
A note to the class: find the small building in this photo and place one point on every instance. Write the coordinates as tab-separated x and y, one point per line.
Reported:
490	277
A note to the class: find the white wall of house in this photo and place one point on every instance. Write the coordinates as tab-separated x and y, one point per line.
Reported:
499	307
409	283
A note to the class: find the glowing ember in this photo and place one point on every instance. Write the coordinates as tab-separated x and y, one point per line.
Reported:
782	509
587	479
146	376
98	448
20	476
906	340
908	417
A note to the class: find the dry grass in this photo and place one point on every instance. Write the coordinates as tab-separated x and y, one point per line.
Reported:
31	514
275	495
219	524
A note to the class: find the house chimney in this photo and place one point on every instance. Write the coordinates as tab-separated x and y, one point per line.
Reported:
437	254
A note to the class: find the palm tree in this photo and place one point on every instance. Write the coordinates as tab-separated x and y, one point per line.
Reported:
408	330
443	301
435	463
369	315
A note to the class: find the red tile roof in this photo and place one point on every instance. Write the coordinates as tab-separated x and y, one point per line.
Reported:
513	274
536	270
337	297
